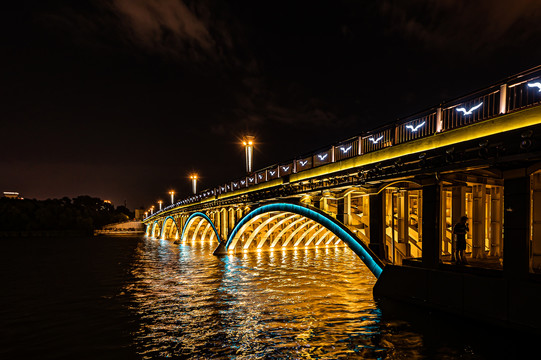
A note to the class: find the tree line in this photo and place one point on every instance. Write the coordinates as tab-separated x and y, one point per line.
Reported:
83	213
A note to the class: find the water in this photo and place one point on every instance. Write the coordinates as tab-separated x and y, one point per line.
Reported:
132	298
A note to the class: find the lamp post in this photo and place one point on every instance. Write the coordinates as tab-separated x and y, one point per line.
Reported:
248	143
172	193
160	203
152	210
194	183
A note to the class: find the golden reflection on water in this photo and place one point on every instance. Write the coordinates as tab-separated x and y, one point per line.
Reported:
298	303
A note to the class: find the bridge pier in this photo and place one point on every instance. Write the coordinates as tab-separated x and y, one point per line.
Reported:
431	225
376	225
517	222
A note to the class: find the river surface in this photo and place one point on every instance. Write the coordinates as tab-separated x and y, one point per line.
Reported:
137	298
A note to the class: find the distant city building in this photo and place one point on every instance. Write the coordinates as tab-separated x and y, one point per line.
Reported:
11	195
139	214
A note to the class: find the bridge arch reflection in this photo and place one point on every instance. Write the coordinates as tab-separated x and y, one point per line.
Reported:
293	214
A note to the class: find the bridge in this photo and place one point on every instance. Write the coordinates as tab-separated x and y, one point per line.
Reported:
393	193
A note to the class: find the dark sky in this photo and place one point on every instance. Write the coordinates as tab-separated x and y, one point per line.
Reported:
122	99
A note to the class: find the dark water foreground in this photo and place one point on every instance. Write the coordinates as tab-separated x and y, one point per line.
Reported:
133	298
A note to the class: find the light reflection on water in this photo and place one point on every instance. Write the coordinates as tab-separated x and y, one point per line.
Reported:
131	298
301	303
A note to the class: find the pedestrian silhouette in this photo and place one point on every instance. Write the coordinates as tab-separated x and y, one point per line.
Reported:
460	230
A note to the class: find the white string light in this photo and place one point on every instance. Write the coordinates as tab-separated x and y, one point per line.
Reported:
535	84
414	129
469	112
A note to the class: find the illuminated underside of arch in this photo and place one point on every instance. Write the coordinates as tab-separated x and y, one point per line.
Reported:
196	220
336	230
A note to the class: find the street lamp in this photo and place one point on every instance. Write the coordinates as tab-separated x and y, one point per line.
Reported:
194	183
152	210
172	193
248	143
160	203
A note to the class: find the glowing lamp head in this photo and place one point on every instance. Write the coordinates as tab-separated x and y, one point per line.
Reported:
248	141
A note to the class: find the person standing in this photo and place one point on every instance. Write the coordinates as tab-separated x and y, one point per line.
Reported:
460	230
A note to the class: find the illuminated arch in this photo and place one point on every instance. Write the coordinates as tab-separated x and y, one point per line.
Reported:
153	232
261	226
285	230
194	216
276	226
148	228
322	238
339	230
314	235
296	231
164	227
303	235
205	232
197	227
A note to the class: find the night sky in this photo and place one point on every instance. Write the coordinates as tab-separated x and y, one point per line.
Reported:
123	99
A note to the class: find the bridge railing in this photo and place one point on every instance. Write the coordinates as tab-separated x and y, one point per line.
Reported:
377	140
417	127
524	91
474	108
512	94
347	149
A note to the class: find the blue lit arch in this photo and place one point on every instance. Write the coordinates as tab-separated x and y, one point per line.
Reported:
200	214
153	228
363	252
164	222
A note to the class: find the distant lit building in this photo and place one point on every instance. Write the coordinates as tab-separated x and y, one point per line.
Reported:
139	214
11	195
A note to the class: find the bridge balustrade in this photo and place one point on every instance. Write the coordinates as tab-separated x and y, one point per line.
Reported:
416	128
323	157
377	140
272	173
471	109
523	93
303	164
261	176
285	169
347	149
